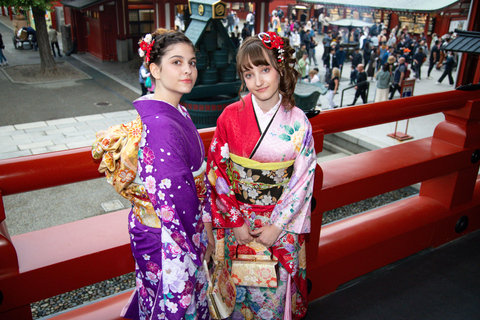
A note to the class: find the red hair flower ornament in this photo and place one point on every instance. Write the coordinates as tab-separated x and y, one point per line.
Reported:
145	48
273	41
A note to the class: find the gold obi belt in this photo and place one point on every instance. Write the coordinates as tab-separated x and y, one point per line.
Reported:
118	149
258	183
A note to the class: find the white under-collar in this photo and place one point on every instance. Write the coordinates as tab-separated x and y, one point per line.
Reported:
265	117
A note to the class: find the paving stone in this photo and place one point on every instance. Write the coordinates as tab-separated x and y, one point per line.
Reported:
79	144
61	121
39	150
87	131
15	154
35	145
59	147
88	118
39	129
7	129
24	136
30	125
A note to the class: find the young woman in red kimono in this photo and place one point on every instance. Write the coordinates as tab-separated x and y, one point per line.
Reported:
261	167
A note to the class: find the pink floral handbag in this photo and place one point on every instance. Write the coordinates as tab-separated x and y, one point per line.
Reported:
257	270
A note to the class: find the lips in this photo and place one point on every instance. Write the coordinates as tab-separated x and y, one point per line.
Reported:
187	80
262	89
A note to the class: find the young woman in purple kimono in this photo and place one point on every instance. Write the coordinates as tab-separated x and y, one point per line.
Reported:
261	166
157	162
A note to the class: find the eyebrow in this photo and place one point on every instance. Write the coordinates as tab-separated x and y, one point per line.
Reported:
182	57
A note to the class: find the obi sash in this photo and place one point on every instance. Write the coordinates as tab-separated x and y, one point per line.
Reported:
118	147
258	183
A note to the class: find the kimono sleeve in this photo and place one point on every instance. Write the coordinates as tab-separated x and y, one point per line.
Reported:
292	211
224	205
166	173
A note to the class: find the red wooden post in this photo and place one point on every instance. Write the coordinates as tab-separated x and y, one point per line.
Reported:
461	128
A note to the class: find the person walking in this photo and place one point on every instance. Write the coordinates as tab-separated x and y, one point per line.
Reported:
143	74
418	60
362	85
251	22
328	64
340	59
157	162
449	65
398	78
312	44
434	57
383	83
53	38
333	87
3	59
268	216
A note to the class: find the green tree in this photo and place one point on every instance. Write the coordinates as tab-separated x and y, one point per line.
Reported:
39	7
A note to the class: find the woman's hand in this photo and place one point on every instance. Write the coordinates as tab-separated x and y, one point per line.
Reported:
267	235
208	253
242	234
211	241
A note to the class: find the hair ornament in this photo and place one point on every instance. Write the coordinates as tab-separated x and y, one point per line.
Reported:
271	40
145	48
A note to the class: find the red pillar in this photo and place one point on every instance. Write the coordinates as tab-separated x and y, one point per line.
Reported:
467	72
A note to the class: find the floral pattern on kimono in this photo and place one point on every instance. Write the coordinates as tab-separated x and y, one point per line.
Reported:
170	279
288	138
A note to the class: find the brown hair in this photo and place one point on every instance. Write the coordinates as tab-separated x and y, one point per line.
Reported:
253	52
163	40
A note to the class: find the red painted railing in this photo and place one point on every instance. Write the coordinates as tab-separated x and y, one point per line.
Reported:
47	262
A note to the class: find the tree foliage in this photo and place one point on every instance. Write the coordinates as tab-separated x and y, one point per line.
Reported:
38	9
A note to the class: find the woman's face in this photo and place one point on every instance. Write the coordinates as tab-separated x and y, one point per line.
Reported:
262	82
177	72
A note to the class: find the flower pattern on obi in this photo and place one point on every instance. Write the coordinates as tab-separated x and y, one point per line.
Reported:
257	186
118	148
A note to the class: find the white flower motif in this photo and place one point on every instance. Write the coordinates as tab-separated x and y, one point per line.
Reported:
174	277
146	257
152	277
252	193
165	183
172	306
267	200
234	213
265	314
213	145
148	168
224	151
150	184
141	53
161	195
148	38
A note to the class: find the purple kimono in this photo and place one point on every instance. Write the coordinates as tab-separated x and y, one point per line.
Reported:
170	280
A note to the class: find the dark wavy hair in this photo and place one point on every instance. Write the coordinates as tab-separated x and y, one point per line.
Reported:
252	51
163	40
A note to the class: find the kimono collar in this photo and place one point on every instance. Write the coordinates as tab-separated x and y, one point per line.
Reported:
264	118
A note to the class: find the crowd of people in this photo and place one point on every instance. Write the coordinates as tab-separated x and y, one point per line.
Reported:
377	52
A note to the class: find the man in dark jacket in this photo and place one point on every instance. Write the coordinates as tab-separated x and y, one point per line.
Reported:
434	57
356	58
449	64
362	85
418	60
340	55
